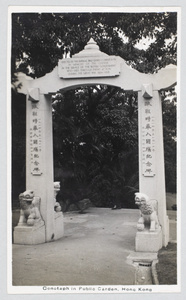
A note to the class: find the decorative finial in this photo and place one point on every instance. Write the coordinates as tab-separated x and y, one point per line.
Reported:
91	49
91	45
91	41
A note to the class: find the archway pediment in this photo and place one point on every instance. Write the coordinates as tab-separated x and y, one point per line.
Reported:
92	67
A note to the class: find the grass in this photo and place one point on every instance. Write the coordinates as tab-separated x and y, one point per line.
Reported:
167	265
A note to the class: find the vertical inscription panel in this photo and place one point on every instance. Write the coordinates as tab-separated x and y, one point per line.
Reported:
35	138
148	138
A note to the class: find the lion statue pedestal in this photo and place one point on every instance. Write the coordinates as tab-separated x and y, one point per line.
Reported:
30	229
149	232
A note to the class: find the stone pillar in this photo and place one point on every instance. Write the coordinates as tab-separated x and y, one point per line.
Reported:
39	157
151	153
39	160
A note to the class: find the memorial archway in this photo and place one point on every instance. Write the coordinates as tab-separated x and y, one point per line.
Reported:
92	67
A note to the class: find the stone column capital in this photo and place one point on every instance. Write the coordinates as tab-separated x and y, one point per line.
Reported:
147	91
33	94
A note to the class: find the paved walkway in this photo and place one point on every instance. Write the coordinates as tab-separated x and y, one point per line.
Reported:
93	251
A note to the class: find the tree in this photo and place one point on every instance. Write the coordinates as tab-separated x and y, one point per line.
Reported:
95	128
96	144
95	137
169	105
18	145
39	40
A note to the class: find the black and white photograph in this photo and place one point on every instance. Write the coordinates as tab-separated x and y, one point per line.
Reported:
94	199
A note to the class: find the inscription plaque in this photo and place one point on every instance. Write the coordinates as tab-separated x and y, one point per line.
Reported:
88	67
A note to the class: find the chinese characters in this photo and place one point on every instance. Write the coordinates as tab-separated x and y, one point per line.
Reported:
35	140
148	142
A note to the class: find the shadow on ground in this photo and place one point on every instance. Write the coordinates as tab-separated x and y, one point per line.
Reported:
93	251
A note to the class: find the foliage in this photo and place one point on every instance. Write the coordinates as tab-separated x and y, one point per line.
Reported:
167	265
95	138
39	40
169	132
95	128
96	144
18	145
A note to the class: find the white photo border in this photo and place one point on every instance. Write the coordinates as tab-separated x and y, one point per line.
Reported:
7	150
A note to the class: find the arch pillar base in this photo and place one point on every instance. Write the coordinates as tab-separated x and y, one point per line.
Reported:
58	225
34	235
147	241
26	235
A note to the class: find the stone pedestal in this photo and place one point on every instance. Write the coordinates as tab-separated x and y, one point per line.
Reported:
30	235
33	235
147	241
59	225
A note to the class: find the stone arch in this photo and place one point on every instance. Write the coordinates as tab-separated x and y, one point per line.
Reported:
92	67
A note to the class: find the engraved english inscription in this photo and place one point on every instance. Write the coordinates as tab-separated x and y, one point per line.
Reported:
88	67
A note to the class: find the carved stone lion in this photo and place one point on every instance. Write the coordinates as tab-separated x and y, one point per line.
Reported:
30	213
148	209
